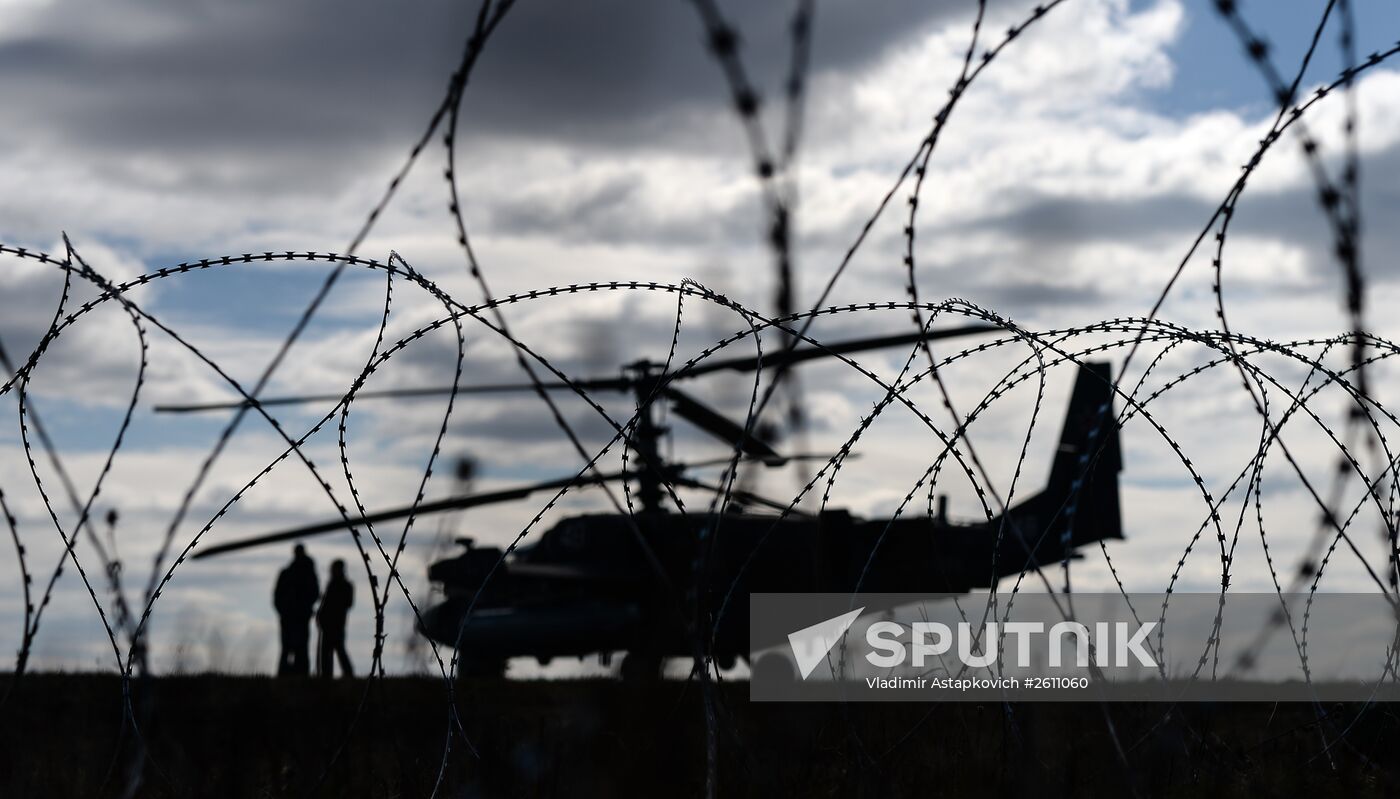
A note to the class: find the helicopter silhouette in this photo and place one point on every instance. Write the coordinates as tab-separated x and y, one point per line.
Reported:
660	583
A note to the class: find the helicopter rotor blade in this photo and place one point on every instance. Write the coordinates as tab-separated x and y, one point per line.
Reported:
472	501
421	509
742	364
599	384
719	426
741	495
800	354
781	460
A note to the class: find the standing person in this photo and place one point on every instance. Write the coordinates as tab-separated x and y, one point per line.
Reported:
294	597
330	617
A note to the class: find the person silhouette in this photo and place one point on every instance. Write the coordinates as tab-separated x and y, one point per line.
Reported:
330	618
294	597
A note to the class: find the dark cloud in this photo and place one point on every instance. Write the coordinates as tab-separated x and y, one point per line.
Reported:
301	85
522	423
1043	220
601	68
625	209
1017	292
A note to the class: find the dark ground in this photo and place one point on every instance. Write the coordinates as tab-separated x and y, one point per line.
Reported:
258	737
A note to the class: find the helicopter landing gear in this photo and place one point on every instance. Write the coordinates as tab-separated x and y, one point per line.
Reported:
640	666
720	662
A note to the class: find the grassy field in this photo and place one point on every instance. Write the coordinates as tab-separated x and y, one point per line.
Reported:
60	735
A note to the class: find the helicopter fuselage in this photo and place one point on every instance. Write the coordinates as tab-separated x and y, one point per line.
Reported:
661	583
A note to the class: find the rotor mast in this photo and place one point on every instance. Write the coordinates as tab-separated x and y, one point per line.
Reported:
646	438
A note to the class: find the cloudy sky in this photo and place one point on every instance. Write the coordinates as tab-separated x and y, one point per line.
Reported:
597	142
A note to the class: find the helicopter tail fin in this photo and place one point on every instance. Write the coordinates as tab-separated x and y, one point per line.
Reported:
1080	502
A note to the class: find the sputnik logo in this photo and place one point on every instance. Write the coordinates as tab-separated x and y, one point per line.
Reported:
810	644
